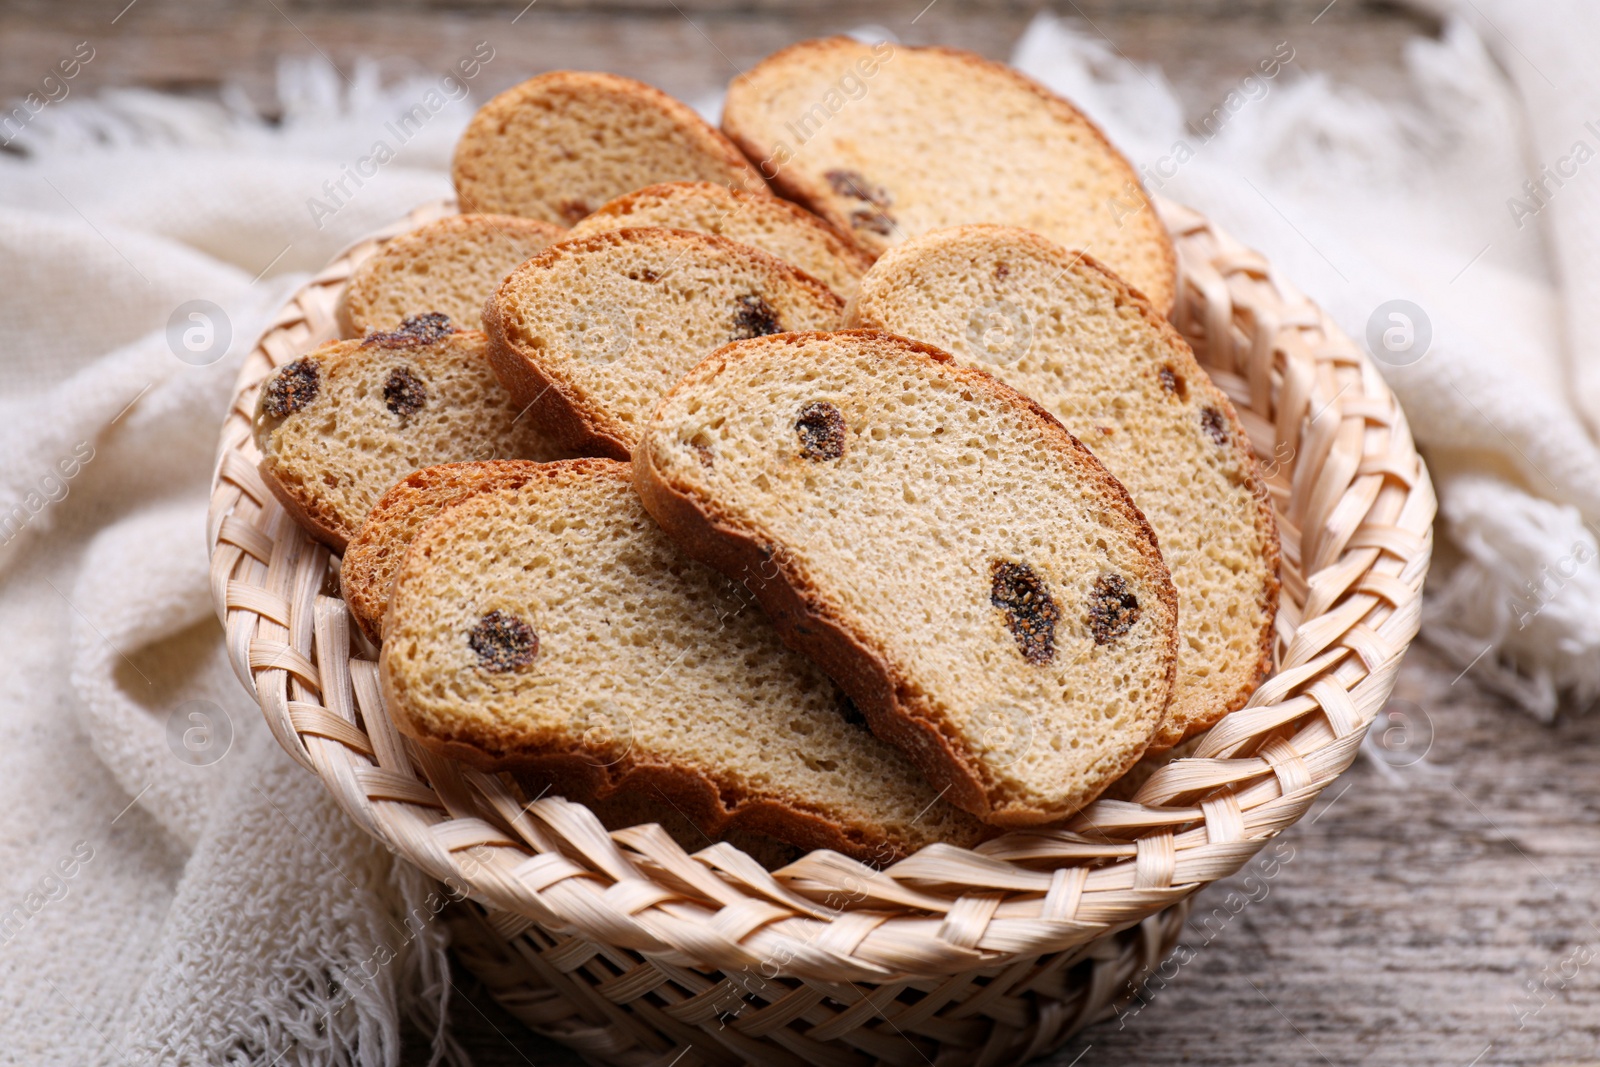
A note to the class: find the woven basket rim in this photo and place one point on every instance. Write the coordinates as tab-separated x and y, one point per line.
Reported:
1354	507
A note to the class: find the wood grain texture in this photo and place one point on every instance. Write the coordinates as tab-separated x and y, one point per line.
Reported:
690	48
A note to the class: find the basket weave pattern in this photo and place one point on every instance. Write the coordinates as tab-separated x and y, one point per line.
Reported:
635	952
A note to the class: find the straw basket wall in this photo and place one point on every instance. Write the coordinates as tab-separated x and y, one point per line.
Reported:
636	952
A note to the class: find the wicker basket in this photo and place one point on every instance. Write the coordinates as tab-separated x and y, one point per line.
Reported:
634	952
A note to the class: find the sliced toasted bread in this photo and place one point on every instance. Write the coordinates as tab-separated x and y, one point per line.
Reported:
888	142
554	628
449	266
376	551
558	146
983	589
367	572
775	226
1059	328
592	332
336	428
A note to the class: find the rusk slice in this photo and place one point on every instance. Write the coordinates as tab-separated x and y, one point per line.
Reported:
775	226
984	590
379	546
337	427
448	266
889	142
558	146
592	332
367	573
554	628
1059	328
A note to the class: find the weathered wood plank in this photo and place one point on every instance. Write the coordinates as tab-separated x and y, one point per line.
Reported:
1205	47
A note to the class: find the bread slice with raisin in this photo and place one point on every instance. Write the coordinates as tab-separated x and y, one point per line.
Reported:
554	628
367	573
1060	328
591	332
925	138
374	554
337	427
558	146
775	226
978	583
449	266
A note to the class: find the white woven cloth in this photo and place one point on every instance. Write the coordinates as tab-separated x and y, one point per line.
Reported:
173	889
1361	204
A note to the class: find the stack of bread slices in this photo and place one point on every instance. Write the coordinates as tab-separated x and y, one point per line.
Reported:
833	480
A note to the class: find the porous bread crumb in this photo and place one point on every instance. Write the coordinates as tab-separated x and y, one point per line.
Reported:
882	562
651	670
1060	329
777	227
330	457
376	551
559	145
448	266
593	331
937	137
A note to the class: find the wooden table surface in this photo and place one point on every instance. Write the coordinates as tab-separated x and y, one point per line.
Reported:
1441	912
